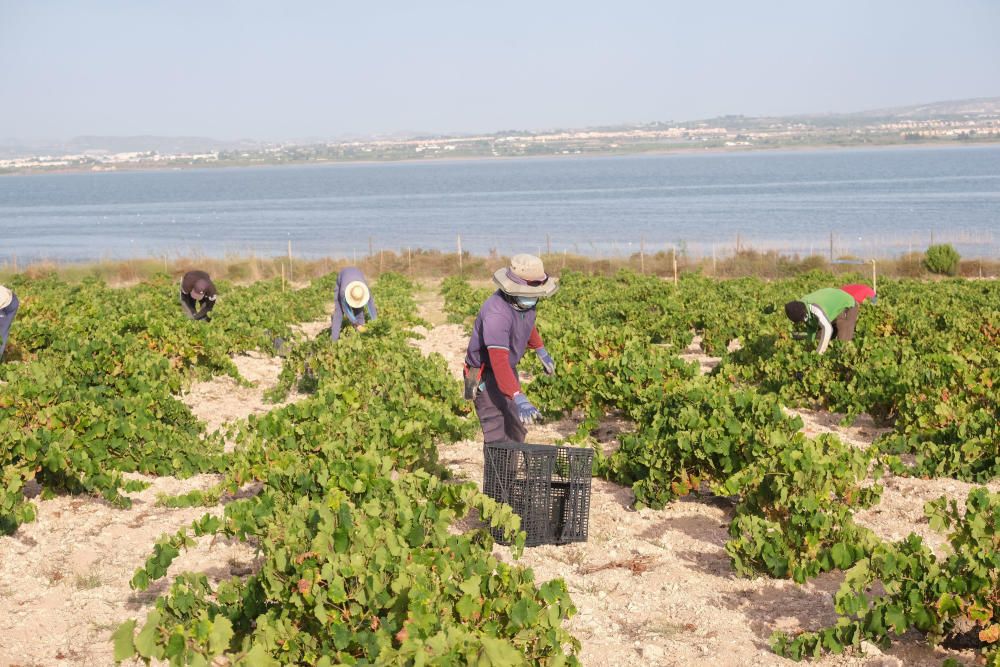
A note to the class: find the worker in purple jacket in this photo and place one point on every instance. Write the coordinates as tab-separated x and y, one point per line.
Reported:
8	308
504	330
354	302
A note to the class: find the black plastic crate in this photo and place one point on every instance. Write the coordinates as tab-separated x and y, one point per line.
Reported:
548	487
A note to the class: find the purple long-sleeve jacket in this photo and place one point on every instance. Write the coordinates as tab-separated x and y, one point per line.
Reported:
6	319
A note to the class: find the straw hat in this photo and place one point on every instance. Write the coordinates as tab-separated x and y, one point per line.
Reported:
525	277
6	296
356	294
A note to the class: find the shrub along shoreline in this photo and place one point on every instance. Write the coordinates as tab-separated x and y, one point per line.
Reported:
417	264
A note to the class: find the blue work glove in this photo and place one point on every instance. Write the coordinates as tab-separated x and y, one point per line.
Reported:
526	412
547	363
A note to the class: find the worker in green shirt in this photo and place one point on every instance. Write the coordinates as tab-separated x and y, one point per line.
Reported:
826	312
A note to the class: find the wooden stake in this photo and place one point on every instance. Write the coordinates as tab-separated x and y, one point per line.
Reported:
381	258
714	269
737	243
460	253
673	254
409	262
642	255
289	260
874	278
566	252
831	247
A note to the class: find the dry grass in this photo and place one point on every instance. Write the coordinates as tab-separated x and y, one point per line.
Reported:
433	265
86	582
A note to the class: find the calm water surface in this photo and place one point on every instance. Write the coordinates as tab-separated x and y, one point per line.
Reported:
883	201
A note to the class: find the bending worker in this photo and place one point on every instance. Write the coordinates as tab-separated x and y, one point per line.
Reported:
504	330
197	295
354	301
8	308
826	312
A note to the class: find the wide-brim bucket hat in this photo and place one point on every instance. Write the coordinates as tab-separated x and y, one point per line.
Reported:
356	294
6	296
525	276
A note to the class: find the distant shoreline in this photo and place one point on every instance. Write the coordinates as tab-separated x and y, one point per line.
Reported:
683	151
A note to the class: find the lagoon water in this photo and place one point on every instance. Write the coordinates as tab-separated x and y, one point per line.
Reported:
874	201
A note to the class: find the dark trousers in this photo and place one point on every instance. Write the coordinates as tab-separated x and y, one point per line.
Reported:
188	305
498	414
843	326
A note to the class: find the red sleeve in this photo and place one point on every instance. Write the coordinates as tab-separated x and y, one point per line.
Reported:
506	380
535	340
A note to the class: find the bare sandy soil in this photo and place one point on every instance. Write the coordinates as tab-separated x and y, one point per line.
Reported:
223	400
693	352
653	587
64	578
901	509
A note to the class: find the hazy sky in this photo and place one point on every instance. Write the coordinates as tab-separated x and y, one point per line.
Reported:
284	69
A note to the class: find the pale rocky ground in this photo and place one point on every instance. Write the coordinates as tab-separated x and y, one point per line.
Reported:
652	587
64	577
223	400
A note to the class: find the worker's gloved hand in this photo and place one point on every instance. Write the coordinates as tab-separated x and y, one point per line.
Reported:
360	328
526	412
547	363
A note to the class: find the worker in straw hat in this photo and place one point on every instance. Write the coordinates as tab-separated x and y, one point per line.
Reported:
197	295
354	302
8	308
504	330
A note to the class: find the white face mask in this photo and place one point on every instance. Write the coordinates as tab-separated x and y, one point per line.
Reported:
525	302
